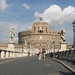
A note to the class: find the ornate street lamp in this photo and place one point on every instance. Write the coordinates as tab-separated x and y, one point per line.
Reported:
73	23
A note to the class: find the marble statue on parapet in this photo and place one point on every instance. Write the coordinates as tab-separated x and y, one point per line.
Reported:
40	18
62	34
25	42
12	35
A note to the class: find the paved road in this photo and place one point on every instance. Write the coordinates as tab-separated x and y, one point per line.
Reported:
69	63
32	66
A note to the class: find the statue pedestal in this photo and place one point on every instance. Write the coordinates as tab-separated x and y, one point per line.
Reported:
63	46
10	47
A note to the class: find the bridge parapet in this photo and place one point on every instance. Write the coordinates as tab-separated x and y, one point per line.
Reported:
11	50
67	55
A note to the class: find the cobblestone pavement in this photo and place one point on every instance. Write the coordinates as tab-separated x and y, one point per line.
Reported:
32	66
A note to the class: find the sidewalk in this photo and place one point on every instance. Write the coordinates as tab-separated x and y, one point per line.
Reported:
2	61
68	64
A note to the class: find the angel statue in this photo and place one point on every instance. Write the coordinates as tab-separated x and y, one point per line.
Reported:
63	34
12	35
40	18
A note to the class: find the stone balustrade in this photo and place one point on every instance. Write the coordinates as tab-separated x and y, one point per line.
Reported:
11	54
67	55
11	51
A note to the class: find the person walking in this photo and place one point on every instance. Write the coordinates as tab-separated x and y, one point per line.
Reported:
44	53
28	53
40	53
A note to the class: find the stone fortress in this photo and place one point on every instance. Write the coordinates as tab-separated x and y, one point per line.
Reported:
42	36
31	40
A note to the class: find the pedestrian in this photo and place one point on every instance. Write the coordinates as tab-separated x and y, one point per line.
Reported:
40	53
51	54
44	53
28	53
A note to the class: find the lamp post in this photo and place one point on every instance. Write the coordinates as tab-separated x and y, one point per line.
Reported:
73	34
22	45
53	48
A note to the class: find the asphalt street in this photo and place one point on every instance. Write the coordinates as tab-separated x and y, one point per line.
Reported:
32	66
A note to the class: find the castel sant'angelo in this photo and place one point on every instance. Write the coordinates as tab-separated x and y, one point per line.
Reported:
41	36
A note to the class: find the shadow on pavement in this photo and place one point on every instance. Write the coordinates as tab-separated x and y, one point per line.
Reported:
66	73
73	62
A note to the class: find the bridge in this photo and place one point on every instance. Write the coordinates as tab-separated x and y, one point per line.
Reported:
30	65
14	59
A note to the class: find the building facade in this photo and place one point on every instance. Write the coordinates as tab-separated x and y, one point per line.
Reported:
40	35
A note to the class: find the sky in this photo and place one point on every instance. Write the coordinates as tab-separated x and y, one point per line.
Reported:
21	14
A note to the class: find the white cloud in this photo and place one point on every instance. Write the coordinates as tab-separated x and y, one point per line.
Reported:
5	31
5	26
54	15
3	5
25	5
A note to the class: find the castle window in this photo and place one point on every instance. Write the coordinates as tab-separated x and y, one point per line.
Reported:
58	32
40	31
52	32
